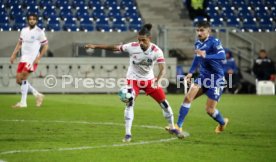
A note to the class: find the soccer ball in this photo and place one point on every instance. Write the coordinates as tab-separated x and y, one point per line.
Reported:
126	94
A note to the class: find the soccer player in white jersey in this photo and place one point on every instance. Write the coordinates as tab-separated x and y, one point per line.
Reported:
30	41
143	54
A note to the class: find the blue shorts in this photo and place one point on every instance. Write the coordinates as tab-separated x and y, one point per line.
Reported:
212	87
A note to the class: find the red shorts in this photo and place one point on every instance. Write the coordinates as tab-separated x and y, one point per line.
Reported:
146	85
23	67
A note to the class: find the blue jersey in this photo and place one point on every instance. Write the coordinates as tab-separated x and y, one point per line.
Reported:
211	77
212	63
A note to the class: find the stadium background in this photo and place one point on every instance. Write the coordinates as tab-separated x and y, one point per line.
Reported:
244	26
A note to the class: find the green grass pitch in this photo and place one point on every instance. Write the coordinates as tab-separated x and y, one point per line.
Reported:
90	128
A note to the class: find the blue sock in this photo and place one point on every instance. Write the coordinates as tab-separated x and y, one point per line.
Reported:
183	111
218	117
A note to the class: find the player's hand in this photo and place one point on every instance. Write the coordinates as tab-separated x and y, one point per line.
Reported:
155	84
29	66
90	46
188	77
12	58
201	53
36	61
230	71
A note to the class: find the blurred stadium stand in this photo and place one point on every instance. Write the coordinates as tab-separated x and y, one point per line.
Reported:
244	26
72	15
247	15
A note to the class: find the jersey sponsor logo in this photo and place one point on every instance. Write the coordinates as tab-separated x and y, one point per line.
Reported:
136	53
146	62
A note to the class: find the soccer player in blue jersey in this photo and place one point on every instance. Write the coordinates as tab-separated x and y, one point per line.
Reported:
209	54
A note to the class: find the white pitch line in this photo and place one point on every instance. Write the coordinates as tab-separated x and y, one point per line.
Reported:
83	122
87	147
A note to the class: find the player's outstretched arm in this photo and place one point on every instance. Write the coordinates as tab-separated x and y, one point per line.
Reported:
103	46
15	51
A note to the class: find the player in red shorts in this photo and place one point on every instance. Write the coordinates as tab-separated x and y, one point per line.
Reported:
143	54
30	41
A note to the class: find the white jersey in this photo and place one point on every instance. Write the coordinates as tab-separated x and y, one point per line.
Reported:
31	40
142	62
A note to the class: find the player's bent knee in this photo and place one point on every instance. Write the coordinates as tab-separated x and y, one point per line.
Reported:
130	103
25	75
210	110
167	109
188	99
164	104
18	81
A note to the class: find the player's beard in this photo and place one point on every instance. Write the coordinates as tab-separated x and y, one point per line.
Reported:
143	47
200	37
32	25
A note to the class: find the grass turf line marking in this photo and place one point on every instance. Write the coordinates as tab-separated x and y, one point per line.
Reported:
87	147
83	122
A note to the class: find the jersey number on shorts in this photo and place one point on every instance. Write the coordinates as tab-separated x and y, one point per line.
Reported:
217	91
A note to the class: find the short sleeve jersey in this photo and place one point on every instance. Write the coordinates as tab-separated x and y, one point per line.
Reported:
141	62
31	39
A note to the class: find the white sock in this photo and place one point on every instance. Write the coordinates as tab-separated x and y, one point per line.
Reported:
129	116
24	92
33	90
168	113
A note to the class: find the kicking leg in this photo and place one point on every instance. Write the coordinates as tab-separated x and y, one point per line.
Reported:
167	113
216	115
159	96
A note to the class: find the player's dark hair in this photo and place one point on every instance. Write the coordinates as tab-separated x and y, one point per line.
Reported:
145	30
204	24
32	14
263	50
